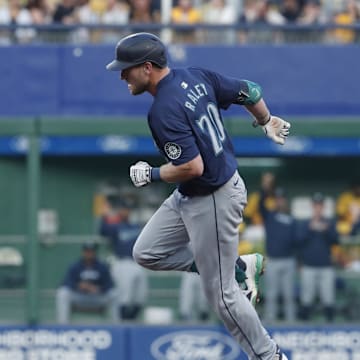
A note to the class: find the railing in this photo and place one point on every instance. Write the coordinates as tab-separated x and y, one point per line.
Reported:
197	34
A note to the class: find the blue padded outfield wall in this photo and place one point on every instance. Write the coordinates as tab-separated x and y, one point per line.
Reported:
144	145
72	80
167	343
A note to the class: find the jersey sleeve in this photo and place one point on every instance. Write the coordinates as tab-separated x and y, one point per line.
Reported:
229	90
172	133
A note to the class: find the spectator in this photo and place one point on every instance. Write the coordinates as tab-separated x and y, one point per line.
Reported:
85	14
156	10
116	13
348	209
141	12
268	13
98	6
280	244
311	14
348	16
4	20
193	304
261	12
316	238
291	10
129	277
185	13
40	11
252	211
65	12
87	284
15	14
332	7
219	12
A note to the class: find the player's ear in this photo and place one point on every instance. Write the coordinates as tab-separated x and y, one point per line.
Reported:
147	67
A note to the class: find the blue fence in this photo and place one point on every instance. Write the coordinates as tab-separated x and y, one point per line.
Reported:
168	343
72	80
142	145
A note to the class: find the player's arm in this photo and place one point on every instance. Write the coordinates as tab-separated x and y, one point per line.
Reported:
142	173
178	173
250	96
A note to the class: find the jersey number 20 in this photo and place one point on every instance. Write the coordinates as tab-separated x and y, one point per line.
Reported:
211	124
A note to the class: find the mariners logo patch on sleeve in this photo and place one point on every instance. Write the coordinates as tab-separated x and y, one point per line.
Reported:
172	150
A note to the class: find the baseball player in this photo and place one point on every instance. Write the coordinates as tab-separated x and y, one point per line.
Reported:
130	279
193	304
207	205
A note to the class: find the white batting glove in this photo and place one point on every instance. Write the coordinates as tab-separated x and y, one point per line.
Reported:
277	129
140	173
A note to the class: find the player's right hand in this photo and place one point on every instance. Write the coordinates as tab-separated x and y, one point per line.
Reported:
140	173
277	129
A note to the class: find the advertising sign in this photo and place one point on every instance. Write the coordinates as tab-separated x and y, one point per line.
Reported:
136	342
62	343
183	343
136	145
319	343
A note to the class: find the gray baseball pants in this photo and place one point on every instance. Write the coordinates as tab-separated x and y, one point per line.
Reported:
279	280
130	280
210	224
66	297
317	279
192	298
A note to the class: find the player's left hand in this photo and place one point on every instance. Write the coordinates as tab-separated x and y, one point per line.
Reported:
277	129
140	173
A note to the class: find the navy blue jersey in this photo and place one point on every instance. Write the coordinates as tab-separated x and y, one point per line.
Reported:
280	230
97	273
122	236
185	121
315	245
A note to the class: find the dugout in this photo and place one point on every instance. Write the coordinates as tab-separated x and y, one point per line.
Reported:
46	177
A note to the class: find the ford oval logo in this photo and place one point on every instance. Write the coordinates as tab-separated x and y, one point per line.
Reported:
114	143
195	345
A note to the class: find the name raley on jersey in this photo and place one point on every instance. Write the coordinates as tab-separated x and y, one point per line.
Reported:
194	94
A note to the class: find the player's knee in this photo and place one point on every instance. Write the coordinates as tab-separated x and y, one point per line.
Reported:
142	257
137	255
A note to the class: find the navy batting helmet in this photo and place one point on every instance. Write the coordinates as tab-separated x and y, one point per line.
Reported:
136	49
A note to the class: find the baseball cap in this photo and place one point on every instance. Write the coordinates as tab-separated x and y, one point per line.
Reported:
318	197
